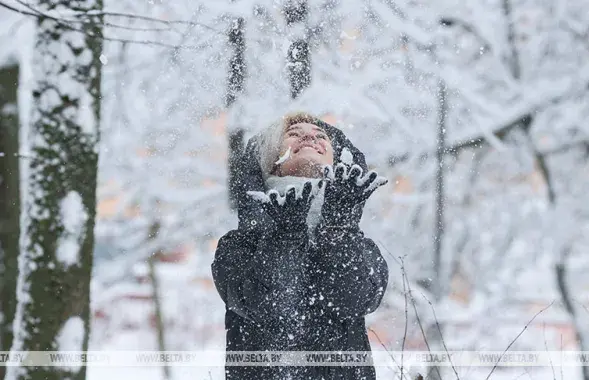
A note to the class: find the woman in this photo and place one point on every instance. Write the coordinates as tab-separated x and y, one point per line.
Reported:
298	274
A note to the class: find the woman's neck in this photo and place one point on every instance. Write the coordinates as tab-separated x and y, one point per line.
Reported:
313	170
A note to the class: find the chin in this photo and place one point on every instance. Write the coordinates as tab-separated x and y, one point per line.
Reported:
309	157
304	167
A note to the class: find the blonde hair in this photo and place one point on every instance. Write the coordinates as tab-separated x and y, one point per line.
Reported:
271	138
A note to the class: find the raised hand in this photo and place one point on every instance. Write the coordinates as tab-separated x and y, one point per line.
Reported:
347	187
289	212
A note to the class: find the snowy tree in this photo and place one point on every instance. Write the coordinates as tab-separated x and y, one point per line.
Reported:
509	132
236	78
9	201
55	261
298	55
513	155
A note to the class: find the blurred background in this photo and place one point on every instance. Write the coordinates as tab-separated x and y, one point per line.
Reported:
476	112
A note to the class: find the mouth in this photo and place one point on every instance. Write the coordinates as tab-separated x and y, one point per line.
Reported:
306	145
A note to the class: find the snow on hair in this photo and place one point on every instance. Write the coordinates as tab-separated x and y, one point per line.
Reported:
270	138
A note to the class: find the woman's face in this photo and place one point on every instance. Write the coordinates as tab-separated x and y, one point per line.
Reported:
310	150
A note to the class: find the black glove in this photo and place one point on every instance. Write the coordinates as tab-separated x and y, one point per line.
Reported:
345	189
289	212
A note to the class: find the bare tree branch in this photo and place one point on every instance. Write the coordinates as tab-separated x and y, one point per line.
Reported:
406	315
546	348
64	23
386	349
451	21
421	325
513	60
11	8
441	336
507	123
516	338
39	13
543	166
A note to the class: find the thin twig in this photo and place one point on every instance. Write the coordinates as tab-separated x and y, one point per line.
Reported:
406	316
546	348
511	122
385	347
525	373
420	324
40	13
581	304
11	8
516	338
543	166
441	335
469	28
104	38
390	253
561	377
153	19
402	265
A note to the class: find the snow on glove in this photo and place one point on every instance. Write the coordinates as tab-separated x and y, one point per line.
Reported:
346	188
289	212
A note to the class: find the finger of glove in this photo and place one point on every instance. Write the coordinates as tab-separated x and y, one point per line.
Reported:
334	192
271	210
328	173
355	173
291	195
367	179
307	191
322	185
378	182
340	172
275	199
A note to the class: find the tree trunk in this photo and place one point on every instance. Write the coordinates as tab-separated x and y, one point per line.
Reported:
236	79
565	293
55	261
157	305
435	329
9	203
299	55
438	285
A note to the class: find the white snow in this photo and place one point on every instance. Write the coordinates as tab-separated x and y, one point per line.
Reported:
71	335
73	218
346	157
259	196
71	338
381	87
284	157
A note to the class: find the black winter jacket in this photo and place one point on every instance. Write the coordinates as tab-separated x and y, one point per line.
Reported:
288	292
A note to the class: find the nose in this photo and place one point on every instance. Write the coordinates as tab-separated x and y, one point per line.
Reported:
309	136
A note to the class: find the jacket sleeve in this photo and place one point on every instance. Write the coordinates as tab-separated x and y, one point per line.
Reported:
265	281
349	276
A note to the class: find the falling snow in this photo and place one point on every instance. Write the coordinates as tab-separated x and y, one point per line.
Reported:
514	195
